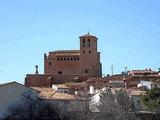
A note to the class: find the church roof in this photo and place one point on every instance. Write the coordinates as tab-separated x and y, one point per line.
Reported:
66	52
87	35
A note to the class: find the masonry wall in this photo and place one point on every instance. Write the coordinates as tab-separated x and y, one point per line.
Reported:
54	65
33	80
40	80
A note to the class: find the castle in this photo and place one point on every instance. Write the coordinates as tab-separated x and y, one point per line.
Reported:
69	65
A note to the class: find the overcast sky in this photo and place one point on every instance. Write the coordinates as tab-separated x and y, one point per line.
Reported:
128	33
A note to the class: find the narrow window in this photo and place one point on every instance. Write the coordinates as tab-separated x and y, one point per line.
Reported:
64	59
88	40
83	51
68	58
86	71
61	58
57	59
71	58
59	72
50	63
89	52
75	59
83	40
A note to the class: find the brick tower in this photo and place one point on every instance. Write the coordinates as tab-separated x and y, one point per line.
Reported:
89	57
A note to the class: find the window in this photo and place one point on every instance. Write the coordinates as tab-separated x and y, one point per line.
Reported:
68	59
86	71
77	58
83	45
88	40
83	51
61	58
71	58
83	40
64	59
89	52
57	59
50	63
89	45
59	72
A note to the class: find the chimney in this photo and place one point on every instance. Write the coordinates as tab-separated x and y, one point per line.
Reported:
76	93
36	69
91	90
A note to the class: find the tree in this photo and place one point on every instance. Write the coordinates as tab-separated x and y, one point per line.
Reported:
152	99
30	107
115	106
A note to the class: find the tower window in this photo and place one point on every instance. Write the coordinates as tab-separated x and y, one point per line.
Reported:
88	40
83	40
89	52
50	63
86	71
59	72
83	51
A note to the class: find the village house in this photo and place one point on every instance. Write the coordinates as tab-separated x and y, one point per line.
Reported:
11	93
66	103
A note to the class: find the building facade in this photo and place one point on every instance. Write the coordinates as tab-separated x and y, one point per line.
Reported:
68	65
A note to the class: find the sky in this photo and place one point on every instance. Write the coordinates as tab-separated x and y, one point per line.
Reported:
128	33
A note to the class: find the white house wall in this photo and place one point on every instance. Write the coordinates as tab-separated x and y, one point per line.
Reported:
10	94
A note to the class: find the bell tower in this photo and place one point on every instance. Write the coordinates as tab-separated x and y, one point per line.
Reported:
89	57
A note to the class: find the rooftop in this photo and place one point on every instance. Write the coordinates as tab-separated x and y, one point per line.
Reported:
87	35
66	52
60	86
49	93
142	71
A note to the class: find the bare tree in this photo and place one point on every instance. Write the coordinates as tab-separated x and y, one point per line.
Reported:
114	106
31	107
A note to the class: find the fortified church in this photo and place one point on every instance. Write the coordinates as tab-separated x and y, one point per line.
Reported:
69	65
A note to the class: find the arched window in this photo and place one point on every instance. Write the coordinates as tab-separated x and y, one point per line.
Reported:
88	41
64	59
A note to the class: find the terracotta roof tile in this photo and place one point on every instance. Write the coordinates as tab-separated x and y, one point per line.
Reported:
49	93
